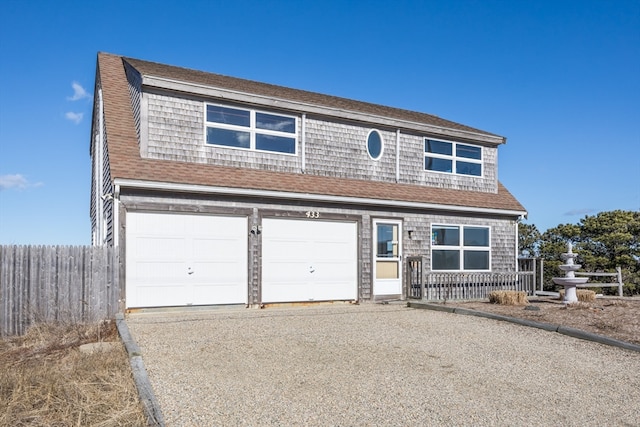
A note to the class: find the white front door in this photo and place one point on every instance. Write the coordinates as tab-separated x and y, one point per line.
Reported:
184	259
387	257
309	260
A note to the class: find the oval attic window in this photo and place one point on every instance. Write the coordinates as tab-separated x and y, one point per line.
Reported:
374	144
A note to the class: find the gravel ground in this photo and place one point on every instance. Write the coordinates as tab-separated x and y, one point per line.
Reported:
384	365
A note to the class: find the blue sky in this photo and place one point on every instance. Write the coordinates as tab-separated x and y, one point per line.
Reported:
560	79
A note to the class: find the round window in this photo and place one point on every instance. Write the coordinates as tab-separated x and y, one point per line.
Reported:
374	144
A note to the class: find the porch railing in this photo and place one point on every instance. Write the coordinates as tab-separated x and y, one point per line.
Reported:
462	286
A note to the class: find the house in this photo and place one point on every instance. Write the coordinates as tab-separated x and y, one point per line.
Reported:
220	190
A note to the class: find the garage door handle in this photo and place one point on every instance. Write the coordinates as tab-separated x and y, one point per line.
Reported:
311	269
190	271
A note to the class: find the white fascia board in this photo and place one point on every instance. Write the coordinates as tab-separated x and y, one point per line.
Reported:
288	195
209	91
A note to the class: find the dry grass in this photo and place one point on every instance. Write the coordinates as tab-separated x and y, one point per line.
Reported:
583	295
508	297
46	381
613	317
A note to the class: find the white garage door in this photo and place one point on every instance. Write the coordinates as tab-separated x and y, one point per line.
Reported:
175	259
309	260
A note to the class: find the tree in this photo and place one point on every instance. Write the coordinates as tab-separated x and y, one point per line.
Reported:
611	239
528	239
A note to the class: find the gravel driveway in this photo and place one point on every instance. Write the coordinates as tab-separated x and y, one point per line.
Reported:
371	364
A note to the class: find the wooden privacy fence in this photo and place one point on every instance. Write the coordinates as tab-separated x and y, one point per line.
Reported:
462	286
56	284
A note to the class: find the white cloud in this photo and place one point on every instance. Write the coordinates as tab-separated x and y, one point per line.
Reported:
580	211
78	92
17	181
74	117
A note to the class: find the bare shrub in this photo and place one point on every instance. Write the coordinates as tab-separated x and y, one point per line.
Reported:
508	297
45	380
583	295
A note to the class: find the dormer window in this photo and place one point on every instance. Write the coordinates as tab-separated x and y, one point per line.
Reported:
452	157
250	129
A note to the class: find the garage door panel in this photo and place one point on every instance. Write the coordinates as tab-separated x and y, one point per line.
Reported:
285	292
157	294
285	271
156	272
217	272
294	249
157	248
334	250
220	293
215	249
151	223
334	270
175	259
327	291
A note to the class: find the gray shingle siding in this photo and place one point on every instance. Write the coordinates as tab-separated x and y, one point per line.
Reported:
175	131
100	166
135	92
503	242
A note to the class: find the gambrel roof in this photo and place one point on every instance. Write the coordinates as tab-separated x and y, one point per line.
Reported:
126	163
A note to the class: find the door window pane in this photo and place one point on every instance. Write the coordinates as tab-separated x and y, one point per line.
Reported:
387	245
387	270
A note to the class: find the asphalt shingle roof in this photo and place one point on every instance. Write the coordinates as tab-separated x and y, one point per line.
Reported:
125	161
155	69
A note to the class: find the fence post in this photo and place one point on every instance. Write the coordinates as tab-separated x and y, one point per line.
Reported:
619	270
541	274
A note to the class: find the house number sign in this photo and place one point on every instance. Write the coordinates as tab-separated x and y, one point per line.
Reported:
313	214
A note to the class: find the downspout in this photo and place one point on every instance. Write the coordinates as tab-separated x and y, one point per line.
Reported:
517	248
99	172
303	142
116	215
398	155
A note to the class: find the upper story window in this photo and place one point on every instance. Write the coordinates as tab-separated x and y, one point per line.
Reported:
375	144
452	157
460	248
251	129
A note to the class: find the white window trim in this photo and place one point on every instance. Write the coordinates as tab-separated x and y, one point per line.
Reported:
252	130
461	248
366	142
453	157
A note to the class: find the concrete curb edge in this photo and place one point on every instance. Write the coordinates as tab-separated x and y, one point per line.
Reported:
565	330
140	377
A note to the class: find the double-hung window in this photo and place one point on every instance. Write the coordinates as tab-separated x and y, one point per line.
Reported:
452	157
250	129
460	248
